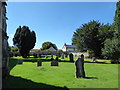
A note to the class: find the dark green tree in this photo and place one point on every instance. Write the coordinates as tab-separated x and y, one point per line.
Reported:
25	40
47	45
91	36
112	46
13	49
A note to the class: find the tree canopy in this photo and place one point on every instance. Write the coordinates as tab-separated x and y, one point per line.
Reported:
47	45
24	39
111	49
91	36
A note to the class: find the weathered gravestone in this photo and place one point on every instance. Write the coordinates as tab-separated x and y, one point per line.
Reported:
39	55
94	59
62	56
35	55
39	63
51	59
54	63
71	57
20	61
80	67
56	59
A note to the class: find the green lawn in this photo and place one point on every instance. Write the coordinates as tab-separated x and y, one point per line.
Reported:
99	75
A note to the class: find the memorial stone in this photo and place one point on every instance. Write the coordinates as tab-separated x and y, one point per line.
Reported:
80	67
20	61
54	63
39	63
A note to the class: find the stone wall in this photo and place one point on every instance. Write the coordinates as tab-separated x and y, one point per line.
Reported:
3	40
0	49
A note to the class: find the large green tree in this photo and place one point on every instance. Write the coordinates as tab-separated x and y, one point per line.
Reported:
47	45
111	49
91	36
25	40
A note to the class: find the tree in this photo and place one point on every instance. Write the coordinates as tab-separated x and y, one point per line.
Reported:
13	49
47	45
111	49
25	40
91	36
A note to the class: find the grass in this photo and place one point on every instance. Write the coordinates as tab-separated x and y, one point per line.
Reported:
99	75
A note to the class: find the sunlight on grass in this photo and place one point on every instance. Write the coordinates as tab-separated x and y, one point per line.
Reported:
104	75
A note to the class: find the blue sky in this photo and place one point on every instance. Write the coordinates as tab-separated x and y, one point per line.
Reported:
56	21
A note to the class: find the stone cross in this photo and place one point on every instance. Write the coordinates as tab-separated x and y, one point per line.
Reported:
80	67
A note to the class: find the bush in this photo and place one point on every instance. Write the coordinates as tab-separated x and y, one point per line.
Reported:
111	49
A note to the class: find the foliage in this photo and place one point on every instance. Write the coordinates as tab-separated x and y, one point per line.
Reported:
91	36
112	46
47	45
111	49
13	49
25	40
91	53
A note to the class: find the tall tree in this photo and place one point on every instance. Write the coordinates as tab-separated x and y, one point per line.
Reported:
25	40
112	46
91	36
47	45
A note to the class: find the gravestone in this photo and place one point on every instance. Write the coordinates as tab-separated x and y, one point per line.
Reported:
56	59
71	57
80	67
54	62
39	63
66	55
94	59
39	55
35	55
51	59
62	56
20	61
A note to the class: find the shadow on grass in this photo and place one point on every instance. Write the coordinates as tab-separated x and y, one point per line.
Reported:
90	77
12	63
18	82
45	60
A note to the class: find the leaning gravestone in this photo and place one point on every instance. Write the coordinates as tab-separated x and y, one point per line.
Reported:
54	63
20	61
39	63
80	67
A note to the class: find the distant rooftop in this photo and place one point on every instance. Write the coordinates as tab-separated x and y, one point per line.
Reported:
70	46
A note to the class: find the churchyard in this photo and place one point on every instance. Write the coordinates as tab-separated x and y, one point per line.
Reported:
28	74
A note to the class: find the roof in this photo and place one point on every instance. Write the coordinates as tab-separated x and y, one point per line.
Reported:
52	49
70	46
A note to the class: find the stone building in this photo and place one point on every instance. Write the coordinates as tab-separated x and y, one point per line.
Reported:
69	48
4	57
